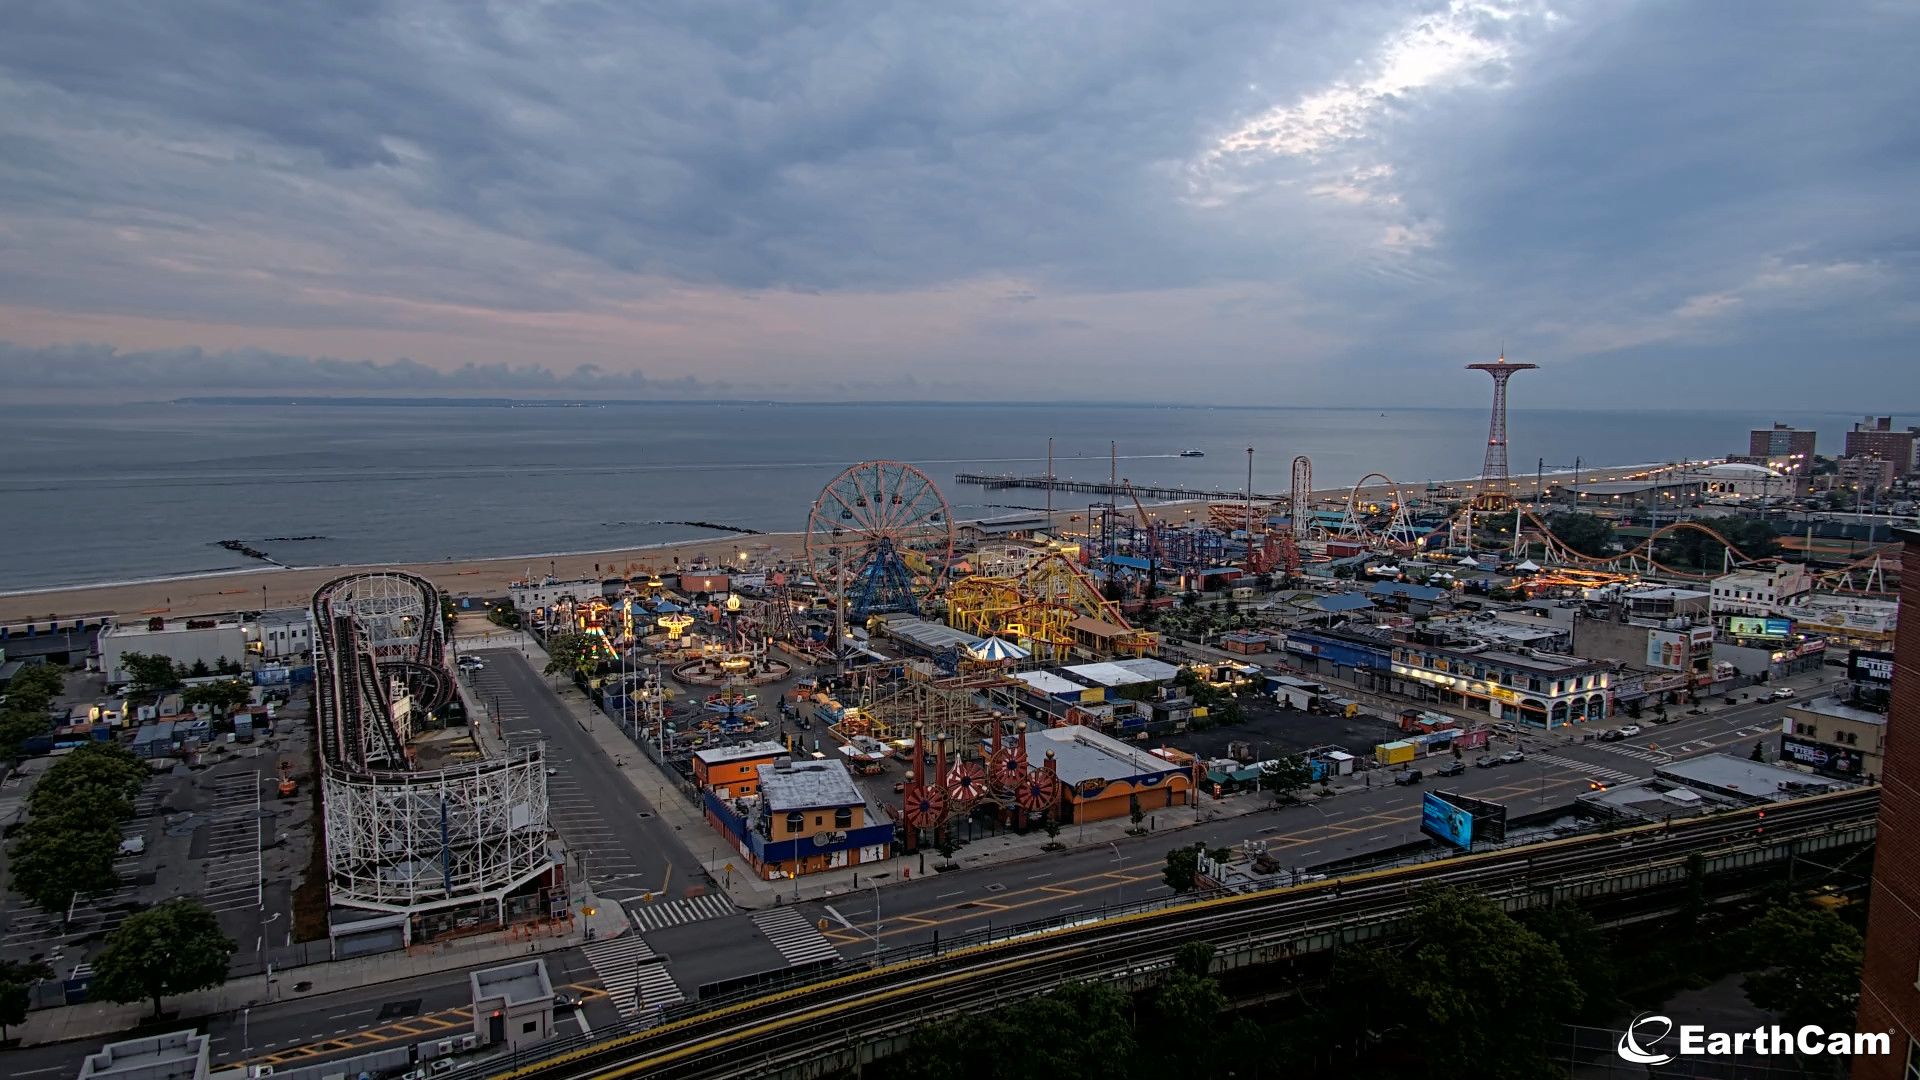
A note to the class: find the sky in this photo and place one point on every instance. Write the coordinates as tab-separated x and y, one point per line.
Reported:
1680	203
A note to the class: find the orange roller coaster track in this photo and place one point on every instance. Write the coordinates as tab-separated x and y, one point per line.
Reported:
1642	554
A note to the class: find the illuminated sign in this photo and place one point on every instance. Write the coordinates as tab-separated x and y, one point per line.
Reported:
1745	626
1446	822
1870	667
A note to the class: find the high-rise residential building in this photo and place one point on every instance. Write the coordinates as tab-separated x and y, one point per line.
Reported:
1785	448
1875	437
1890	983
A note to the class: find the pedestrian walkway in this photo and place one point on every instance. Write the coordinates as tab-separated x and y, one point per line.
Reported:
664	913
635	978
795	937
1637	752
1599	772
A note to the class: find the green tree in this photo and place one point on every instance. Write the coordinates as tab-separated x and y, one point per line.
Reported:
571	654
174	948
504	615
52	862
1077	1030
35	687
19	725
943	843
1134	813
198	669
1052	828
1813	972
1588	534
1284	778
1194	958
16	990
222	697
1482	994
1759	750
1588	953
224	666
1183	869
103	765
148	674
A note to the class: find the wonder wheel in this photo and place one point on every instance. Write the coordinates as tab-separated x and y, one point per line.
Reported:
880	538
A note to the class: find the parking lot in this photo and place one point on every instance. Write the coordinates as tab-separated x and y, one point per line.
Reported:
217	832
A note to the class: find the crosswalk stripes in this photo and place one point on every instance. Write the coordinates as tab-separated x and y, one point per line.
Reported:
1655	756
664	913
636	979
1598	771
795	937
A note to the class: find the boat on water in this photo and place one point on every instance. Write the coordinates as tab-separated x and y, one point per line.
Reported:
1193	453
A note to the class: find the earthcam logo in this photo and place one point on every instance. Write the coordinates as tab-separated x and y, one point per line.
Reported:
1640	1042
1630	1047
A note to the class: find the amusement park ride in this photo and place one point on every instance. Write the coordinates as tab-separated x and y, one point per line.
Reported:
880	539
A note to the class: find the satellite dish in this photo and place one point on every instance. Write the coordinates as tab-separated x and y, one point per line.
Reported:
821	839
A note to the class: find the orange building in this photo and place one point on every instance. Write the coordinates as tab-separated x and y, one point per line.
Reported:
808	817
732	771
1101	777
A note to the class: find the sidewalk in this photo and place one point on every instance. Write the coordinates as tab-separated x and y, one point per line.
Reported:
100	1020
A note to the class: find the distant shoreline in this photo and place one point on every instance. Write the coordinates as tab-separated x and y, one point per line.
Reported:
251	588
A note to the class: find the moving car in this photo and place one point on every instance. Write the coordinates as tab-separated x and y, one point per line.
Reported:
1512	757
1613	735
1485	761
1782	694
1451	768
1407	777
1629	731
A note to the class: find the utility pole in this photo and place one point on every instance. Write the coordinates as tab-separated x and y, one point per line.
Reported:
1249	520
1049	483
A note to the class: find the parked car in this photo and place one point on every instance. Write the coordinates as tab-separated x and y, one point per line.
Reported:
1407	777
1512	757
1485	761
1451	768
899	786
1629	731
1612	735
1782	694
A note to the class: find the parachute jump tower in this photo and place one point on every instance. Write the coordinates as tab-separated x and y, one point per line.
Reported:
1493	494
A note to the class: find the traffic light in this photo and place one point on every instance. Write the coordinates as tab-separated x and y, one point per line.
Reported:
1759	822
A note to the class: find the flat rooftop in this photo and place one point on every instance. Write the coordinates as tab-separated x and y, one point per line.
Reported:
808	785
179	1055
720	755
1751	780
1834	707
1081	753
519	984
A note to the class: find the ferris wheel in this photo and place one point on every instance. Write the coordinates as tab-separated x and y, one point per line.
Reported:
880	538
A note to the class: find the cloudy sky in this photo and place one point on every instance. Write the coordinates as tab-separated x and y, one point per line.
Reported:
1708	203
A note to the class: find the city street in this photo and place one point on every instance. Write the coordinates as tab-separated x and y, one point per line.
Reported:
610	830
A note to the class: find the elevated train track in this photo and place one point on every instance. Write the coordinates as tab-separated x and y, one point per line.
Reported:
840	1022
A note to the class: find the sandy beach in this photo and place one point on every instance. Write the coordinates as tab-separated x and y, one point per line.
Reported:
272	587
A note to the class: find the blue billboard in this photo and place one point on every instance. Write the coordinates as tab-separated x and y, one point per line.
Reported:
1446	822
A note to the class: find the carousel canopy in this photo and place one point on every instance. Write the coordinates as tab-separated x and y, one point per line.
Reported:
997	649
1528	566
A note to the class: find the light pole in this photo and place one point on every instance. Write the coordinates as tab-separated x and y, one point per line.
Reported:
876	922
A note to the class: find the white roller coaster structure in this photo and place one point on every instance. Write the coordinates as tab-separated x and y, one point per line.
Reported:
400	840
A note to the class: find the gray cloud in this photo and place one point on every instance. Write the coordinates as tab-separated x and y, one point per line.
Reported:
1317	200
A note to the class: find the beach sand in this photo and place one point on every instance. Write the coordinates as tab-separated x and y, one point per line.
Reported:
270	587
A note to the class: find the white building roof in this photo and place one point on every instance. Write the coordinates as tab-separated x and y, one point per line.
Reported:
1047	682
1152	670
719	755
1081	754
1105	674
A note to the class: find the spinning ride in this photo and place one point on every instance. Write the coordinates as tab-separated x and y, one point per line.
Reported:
880	538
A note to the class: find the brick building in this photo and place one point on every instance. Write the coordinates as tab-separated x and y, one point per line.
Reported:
1889	994
1788	449
1876	437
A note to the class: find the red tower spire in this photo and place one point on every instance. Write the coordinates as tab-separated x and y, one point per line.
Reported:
1492	493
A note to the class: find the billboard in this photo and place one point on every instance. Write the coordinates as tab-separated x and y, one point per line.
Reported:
1821	757
1747	626
1870	667
1446	822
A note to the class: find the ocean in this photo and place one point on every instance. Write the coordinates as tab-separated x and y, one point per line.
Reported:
131	492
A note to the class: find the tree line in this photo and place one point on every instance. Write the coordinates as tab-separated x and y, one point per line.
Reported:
1471	993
